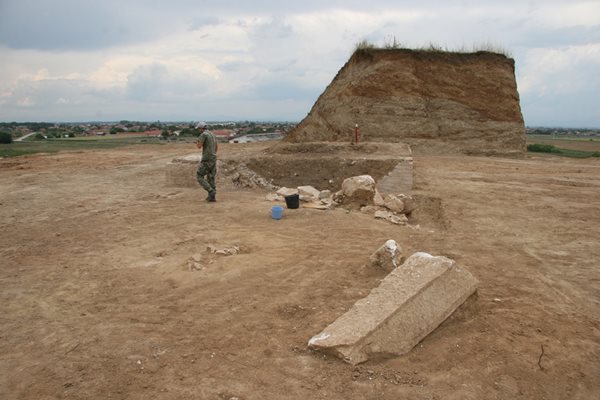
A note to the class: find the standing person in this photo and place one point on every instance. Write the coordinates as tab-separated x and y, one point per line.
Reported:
208	165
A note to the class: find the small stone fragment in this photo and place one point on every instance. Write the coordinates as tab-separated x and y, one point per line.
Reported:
389	216
378	199
273	197
324	194
394	204
387	257
409	203
224	250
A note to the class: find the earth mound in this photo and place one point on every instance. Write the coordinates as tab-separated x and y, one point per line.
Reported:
437	102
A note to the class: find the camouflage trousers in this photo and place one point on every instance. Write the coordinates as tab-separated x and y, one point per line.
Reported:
208	169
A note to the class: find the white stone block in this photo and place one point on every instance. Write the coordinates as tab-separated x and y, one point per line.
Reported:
412	301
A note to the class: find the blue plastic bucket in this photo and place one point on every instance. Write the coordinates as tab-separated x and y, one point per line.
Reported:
276	212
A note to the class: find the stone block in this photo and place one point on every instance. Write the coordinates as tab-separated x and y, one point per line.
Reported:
409	203
358	183
308	192
410	302
387	257
358	190
378	199
393	203
325	194
283	192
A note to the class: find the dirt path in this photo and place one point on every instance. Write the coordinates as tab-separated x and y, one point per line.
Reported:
20	139
107	291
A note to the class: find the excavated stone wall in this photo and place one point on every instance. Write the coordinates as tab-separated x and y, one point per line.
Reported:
434	101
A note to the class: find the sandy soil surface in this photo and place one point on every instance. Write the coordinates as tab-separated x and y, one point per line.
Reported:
107	291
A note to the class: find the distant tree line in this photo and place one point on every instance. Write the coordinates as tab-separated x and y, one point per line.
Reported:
560	131
5	137
33	126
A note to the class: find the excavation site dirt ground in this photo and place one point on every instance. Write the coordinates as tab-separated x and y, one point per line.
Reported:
108	292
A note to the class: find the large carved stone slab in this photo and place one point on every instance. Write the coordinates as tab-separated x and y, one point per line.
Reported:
410	302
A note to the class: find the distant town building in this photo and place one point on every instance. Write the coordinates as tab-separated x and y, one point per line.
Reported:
224	135
257	137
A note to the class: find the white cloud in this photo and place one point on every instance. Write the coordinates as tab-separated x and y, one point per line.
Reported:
226	58
574	13
26	102
4	96
560	71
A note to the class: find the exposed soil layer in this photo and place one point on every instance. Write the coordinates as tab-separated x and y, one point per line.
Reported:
107	290
342	150
325	173
325	165
435	101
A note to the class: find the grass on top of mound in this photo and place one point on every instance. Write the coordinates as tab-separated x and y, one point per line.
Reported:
391	43
549	148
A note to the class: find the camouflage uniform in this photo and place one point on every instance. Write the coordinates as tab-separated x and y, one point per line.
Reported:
208	164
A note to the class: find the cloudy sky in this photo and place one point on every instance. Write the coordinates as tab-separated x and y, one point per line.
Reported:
80	60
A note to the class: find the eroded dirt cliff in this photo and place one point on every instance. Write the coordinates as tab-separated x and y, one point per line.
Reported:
436	101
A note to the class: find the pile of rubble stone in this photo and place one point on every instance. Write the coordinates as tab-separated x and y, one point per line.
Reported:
242	176
357	193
